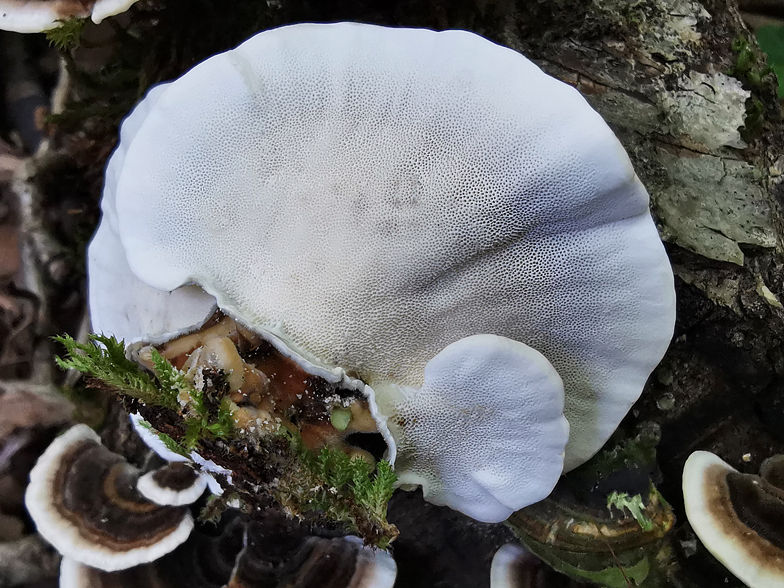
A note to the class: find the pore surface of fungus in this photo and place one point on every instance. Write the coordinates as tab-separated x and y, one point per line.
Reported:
34	16
738	517
367	197
84	501
134	311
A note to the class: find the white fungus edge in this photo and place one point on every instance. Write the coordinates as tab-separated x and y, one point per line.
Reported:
74	574
710	531
38	17
148	488
28	18
107	8
383	564
501	570
153	441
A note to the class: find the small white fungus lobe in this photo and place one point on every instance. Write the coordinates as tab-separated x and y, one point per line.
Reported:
521	422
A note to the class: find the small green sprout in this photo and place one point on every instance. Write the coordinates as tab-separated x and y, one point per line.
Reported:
340	418
203	425
68	35
167	441
621	500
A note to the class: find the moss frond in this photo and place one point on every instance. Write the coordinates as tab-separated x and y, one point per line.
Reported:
171	380
167	441
104	358
345	489
68	35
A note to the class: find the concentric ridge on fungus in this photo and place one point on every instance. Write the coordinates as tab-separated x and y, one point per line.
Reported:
380	203
83	500
738	517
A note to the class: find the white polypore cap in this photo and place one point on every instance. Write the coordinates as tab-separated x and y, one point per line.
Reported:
372	195
81	497
120	303
35	16
175	484
512	566
485	434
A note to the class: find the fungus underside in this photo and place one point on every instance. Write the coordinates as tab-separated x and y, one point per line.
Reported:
347	490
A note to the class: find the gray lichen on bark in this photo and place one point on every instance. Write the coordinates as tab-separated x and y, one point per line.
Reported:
684	125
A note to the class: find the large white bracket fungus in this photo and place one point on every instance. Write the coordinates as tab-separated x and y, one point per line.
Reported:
367	197
35	16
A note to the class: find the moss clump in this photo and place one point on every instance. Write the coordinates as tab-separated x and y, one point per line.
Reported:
757	76
341	489
103	358
749	66
348	489
68	35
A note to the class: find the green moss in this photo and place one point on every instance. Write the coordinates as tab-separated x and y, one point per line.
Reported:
342	489
104	359
167	441
622	501
751	69
68	35
749	66
345	489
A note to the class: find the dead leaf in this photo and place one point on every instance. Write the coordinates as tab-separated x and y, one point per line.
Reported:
22	409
